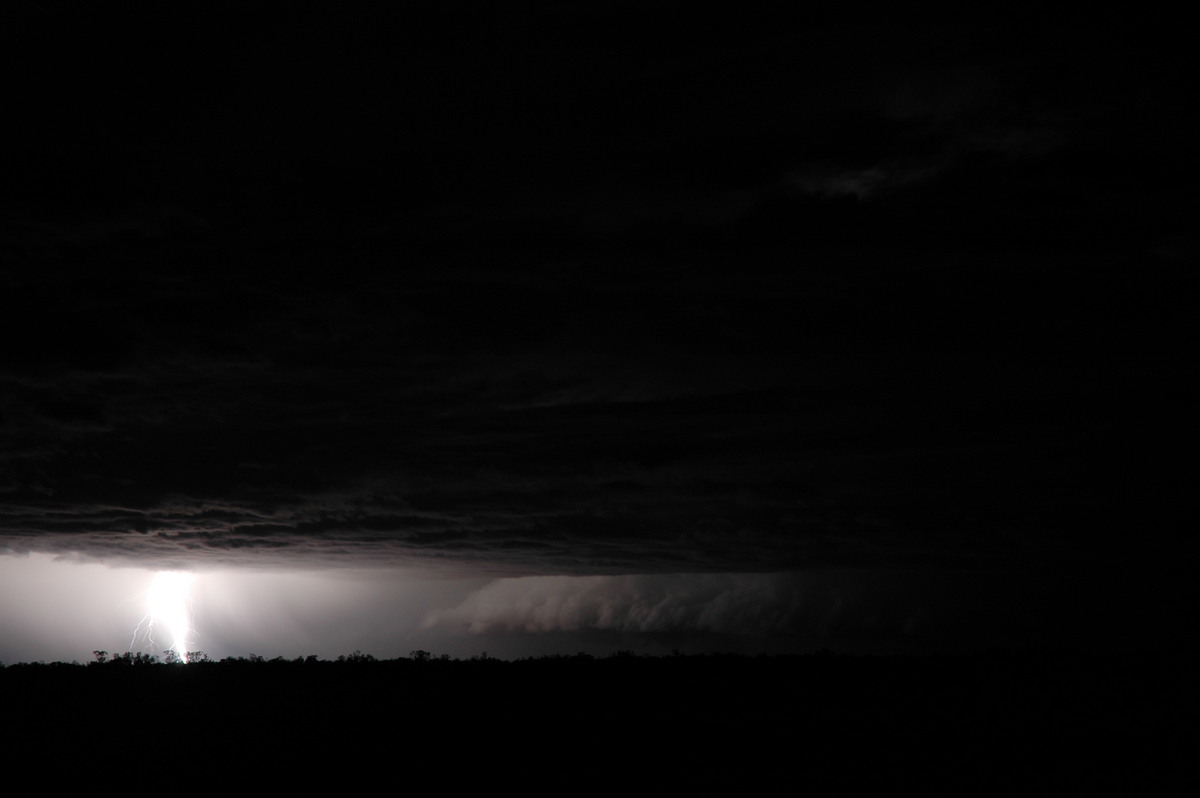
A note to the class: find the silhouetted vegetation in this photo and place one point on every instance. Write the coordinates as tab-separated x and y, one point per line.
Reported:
856	723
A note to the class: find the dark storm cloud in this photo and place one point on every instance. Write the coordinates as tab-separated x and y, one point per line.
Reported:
513	414
765	298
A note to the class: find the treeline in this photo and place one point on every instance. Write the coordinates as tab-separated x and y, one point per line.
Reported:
171	657
1112	668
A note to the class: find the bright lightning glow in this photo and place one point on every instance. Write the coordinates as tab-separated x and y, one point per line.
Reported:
168	605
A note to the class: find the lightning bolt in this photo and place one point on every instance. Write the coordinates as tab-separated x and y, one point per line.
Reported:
168	605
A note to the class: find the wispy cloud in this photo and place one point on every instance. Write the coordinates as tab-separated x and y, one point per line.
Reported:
813	604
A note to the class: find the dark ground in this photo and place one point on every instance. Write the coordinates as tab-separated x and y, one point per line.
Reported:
1000	723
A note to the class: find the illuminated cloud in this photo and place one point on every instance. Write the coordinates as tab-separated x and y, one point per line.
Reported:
64	608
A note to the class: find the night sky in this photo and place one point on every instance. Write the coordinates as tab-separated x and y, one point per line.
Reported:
595	326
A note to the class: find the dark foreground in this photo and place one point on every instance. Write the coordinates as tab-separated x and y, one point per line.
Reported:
824	723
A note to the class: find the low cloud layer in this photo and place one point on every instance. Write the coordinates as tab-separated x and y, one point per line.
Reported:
754	604
600	415
514	417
